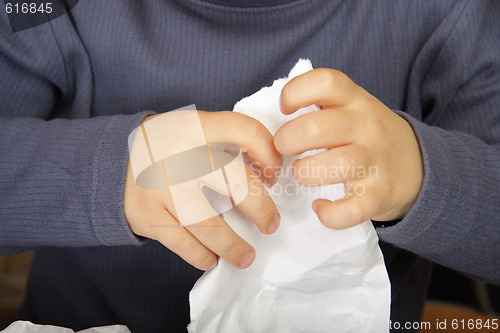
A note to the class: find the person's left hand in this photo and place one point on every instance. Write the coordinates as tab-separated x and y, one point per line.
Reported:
371	149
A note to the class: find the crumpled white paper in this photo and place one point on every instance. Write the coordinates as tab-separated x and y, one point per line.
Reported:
305	277
27	327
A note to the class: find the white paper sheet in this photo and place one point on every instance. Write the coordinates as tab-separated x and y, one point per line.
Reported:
305	277
28	327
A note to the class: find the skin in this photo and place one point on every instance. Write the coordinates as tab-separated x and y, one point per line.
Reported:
358	132
151	213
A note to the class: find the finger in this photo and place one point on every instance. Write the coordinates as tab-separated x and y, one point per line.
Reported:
319	129
216	235
249	134
214	232
358	206
244	187
204	223
333	166
322	86
146	213
259	206
167	230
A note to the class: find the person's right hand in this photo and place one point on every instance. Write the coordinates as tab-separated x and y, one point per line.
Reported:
149	212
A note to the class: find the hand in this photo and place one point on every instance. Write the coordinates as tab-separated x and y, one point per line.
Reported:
151	212
371	149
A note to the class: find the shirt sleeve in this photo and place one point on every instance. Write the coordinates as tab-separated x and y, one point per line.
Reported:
456	218
61	179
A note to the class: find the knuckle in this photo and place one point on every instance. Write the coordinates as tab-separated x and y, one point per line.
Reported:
333	80
206	261
372	100
184	243
151	226
374	125
311	128
342	161
232	251
254	185
330	78
256	130
209	227
187	247
285	97
357	213
266	212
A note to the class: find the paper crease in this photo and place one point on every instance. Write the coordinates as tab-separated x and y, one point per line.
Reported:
305	277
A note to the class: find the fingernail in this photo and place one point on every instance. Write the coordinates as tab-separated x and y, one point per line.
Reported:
281	105
275	224
274	178
214	264
247	259
315	208
271	180
276	144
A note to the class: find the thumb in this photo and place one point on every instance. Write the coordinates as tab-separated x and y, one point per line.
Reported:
355	208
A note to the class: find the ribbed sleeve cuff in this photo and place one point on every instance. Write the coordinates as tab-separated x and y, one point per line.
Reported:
108	182
430	202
